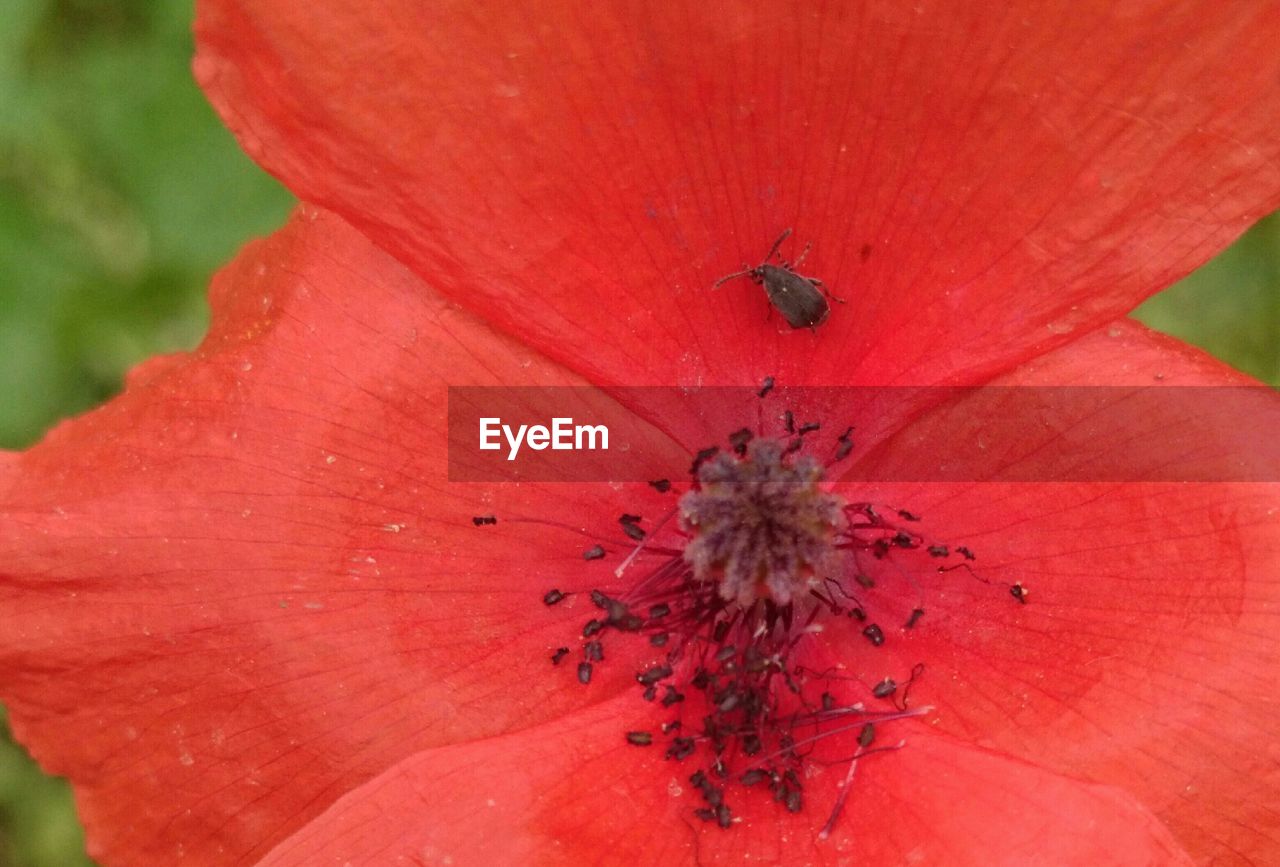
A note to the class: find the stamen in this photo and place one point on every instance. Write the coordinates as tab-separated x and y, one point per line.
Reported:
762	558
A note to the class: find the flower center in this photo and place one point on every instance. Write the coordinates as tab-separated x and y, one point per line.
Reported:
731	597
761	527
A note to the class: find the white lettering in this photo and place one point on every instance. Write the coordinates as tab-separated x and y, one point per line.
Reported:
514	441
591	432
563	435
539	433
488	429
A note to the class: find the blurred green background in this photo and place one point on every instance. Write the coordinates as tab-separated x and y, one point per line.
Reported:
120	193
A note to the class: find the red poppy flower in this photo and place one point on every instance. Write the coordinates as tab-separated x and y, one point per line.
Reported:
249	616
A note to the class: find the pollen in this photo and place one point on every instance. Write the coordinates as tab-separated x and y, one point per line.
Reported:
762	526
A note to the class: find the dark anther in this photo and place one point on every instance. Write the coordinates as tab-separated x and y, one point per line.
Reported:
903	540
723	817
596	553
1019	592
659	611
866	735
661	485
739	440
844	444
702	457
752	745
765	387
704	814
789	421
631	528
809	427
939	551
864	580
916	614
599	600
874	634
885	688
594	651
584	673
650	693
551	597
591	628
753	776
653	675
639	739
482	520
619	616
673	695
793	800
794	446
561	653
828	702
658	639
966	553
858	613
720	631
908	516
680	749
713	794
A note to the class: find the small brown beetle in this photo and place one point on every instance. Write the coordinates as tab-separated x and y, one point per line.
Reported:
798	298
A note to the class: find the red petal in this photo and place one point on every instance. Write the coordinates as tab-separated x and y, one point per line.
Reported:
245	587
575	793
1146	655
981	182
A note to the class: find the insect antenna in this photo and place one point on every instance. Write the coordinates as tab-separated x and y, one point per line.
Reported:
722	280
786	233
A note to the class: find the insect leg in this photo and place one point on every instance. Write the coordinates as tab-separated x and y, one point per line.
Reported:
803	253
826	291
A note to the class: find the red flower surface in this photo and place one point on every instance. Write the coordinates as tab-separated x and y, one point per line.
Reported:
249	617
